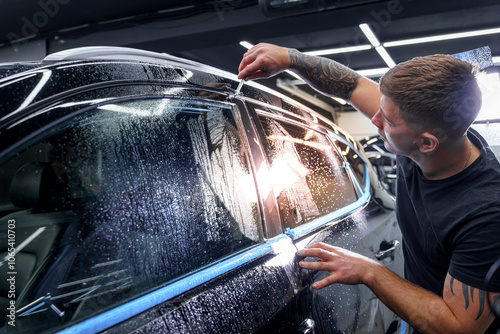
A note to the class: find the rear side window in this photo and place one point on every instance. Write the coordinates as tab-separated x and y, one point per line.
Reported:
308	174
122	200
356	164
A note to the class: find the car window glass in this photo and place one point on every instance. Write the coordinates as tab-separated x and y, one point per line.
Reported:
356	164
308	174
122	200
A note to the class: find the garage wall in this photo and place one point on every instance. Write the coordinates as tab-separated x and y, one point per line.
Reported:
356	124
26	51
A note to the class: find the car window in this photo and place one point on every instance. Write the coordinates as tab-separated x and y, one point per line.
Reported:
308	174
122	200
356	164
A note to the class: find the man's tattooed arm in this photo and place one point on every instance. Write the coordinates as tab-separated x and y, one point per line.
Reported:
468	293
325	75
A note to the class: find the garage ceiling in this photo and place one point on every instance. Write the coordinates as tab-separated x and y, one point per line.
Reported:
210	31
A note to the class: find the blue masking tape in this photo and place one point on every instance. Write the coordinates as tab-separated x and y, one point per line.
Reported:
125	311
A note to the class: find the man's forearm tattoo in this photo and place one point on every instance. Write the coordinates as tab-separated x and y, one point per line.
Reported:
468	293
325	75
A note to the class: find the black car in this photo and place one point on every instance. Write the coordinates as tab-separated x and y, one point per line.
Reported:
144	193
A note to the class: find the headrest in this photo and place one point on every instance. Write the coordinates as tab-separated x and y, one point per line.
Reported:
36	185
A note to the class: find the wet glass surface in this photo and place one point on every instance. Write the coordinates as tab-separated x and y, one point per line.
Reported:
141	193
308	176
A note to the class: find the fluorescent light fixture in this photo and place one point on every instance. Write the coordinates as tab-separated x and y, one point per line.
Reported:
339	50
365	28
374	72
385	56
339	100
496	60
295	75
246	44
442	37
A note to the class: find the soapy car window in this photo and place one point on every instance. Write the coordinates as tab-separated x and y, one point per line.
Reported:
307	172
133	195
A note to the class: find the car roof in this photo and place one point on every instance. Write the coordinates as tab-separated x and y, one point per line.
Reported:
26	87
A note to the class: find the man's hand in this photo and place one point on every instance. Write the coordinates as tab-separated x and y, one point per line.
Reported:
344	266
462	309
263	61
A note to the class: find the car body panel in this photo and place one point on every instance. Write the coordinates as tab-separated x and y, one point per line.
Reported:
258	285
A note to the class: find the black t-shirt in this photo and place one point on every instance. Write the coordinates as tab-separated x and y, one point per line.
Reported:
450	225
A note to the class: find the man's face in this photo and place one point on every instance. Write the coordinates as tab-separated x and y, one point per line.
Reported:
398	136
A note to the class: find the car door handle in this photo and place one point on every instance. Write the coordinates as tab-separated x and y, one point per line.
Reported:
306	327
387	249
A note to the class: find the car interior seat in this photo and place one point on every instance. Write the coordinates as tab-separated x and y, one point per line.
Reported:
43	200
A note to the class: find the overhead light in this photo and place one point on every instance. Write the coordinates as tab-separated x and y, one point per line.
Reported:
339	100
442	37
365	28
496	60
385	56
338	50
246	44
374	72
295	75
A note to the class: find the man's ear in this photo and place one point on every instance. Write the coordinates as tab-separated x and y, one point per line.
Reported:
428	142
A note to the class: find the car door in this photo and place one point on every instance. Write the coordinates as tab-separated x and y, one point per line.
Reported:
142	215
327	192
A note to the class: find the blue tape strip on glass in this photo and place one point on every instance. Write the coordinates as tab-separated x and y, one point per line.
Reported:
123	312
481	56
404	325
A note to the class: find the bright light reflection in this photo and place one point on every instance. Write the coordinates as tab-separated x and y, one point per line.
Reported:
246	186
309	135
301	141
286	170
157	109
490	89
46	74
264	180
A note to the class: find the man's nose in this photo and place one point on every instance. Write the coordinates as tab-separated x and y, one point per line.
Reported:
376	120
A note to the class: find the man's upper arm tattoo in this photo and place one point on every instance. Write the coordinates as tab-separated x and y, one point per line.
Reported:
495	305
324	74
468	293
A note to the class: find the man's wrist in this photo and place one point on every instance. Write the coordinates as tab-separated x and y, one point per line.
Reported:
295	57
371	272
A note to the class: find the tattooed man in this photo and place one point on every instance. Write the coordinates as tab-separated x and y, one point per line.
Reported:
448	187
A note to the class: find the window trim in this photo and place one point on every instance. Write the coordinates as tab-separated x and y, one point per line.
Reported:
307	228
128	309
143	303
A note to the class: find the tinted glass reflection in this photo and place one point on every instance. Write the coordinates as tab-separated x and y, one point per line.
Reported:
308	176
130	197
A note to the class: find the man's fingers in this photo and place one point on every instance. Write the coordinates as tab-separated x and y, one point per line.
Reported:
329	280
324	246
251	70
314	252
262	61
312	265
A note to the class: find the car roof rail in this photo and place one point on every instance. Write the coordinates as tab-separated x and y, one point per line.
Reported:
104	52
124	53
